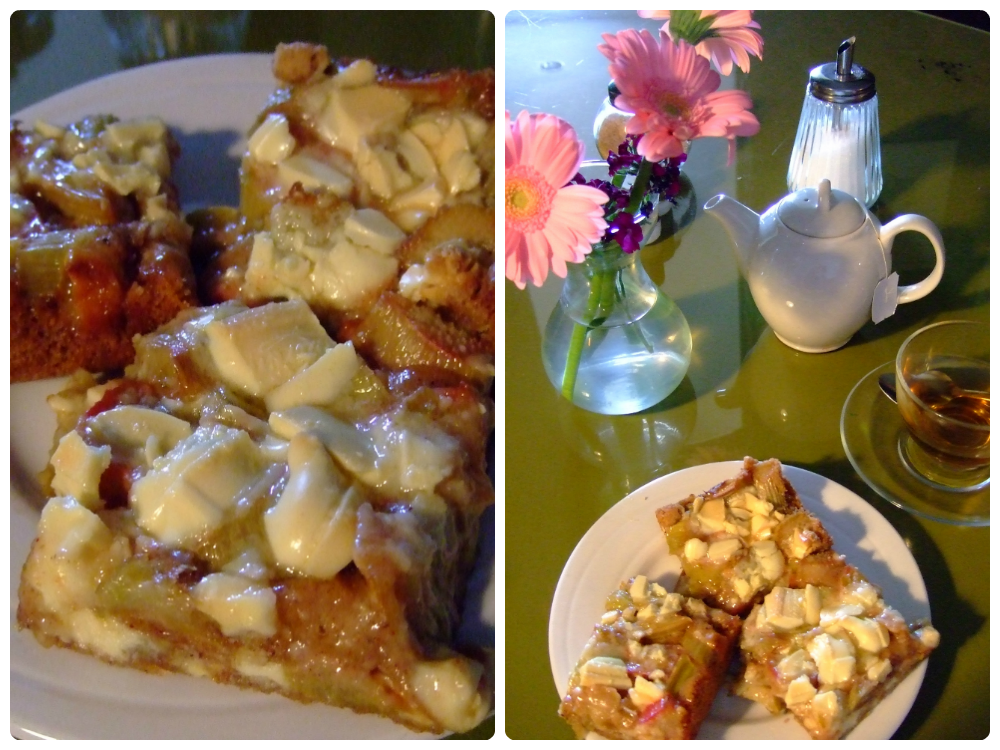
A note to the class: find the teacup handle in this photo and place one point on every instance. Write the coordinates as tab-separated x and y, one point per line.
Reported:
927	228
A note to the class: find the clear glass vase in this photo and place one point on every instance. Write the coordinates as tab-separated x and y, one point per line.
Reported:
615	343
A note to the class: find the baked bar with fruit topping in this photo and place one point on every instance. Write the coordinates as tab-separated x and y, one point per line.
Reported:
252	503
652	667
827	647
369	193
737	540
99	252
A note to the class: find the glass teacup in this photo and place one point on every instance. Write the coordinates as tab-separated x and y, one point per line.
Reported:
943	392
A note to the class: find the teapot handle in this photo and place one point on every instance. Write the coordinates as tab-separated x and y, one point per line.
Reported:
927	228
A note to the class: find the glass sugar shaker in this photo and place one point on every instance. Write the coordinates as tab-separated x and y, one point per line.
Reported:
609	126
838	135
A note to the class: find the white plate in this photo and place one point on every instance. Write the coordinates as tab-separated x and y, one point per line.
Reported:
209	103
626	541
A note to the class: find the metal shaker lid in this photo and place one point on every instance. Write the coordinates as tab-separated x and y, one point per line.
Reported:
842	82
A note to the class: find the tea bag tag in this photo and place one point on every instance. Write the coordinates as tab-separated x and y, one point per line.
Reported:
884	302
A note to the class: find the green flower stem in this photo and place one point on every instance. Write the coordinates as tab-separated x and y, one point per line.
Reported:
639	187
602	291
595	302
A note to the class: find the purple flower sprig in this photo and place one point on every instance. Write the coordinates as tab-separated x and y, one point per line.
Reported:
664	181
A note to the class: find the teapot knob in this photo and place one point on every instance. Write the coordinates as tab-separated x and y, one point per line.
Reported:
823	196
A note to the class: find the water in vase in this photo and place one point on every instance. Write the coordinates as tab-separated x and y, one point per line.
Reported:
623	368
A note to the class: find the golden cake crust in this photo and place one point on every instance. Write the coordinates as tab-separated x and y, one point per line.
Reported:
99	252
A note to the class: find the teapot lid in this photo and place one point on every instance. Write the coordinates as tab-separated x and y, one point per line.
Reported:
821	212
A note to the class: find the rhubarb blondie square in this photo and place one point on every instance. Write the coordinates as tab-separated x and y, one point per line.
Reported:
652	667
250	502
736	540
827	647
99	251
369	193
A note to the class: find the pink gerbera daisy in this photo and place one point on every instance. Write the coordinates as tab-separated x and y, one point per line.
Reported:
674	95
547	222
722	36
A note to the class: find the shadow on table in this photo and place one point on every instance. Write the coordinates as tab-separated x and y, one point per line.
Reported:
207	172
30	31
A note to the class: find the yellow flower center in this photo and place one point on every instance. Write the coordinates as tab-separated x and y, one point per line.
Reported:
673	105
527	198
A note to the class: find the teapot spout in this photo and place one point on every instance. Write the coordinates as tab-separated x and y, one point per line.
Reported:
742	225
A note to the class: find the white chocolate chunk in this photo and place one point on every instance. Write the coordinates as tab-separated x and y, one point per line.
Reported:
813	604
48	130
834	658
359	73
800	690
832	615
312	527
237	604
869	635
879	670
742	588
712	515
258	349
695	548
769	558
795	665
188	491
672	602
423	197
352	114
419	159
605	670
312	173
70	529
451	692
271	141
826	705
351	447
757	506
370	228
760	526
638	592
78	469
929	636
645	693
349	273
461	172
320	383
784	608
138	429
723	549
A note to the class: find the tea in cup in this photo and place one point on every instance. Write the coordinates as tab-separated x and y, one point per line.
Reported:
943	392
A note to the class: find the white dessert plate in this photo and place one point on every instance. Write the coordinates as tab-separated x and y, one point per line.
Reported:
209	103
626	541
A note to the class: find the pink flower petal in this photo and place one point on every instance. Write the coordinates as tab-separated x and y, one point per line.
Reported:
546	222
673	93
733	38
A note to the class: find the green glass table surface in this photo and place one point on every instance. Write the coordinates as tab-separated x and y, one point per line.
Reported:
52	51
746	393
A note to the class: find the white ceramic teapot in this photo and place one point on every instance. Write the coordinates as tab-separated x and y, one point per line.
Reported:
819	264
